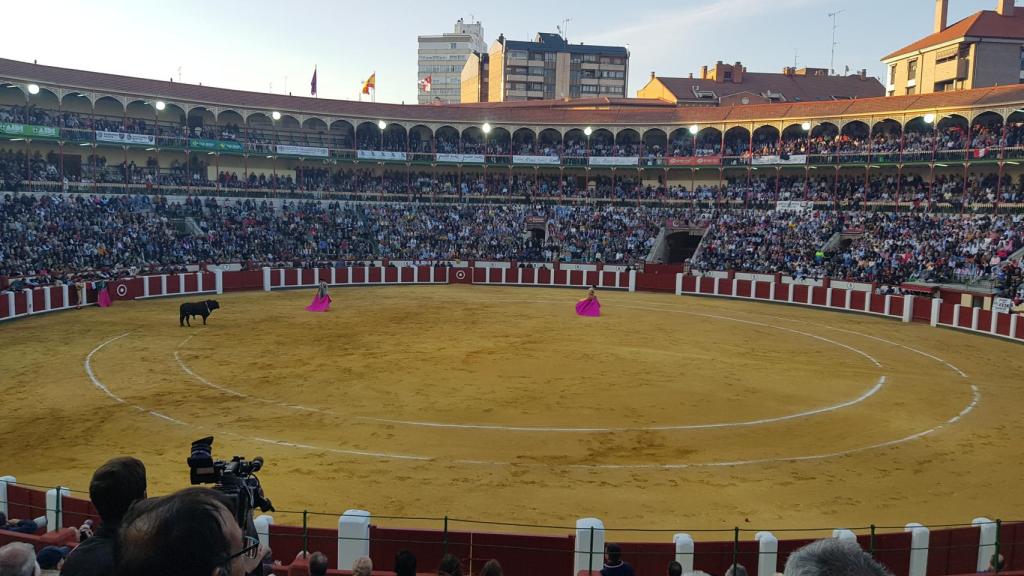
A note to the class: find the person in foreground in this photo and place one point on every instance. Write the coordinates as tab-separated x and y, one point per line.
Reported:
18	559
833	557
189	533
321	300
613	564
114	487
589	306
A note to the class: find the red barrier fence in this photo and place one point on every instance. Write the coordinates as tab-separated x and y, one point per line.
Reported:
961	549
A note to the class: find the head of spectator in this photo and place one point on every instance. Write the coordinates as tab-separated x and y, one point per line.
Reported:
613	564
317	564
833	557
675	568
736	570
115	485
18	559
995	563
405	563
491	568
51	558
450	566
363	566
192	532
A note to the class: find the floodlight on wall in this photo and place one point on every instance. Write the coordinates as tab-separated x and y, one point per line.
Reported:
486	128
929	118
694	129
382	124
588	131
275	115
33	89
160	105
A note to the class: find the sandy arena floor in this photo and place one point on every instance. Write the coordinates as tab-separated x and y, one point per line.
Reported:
499	403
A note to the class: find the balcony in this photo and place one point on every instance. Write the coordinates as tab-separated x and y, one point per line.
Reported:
955	69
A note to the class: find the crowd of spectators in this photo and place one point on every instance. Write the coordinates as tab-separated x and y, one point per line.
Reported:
67	238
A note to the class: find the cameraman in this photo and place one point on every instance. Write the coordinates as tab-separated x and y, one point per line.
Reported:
192	532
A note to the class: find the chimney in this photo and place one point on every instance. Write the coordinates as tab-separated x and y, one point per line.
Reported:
941	9
737	73
1005	7
652	74
863	73
703	72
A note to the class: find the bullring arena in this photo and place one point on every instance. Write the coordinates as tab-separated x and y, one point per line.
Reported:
810	320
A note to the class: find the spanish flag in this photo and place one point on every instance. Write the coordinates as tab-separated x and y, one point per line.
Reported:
371	82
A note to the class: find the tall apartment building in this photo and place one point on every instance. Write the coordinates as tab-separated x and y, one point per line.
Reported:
550	68
475	77
442	57
984	49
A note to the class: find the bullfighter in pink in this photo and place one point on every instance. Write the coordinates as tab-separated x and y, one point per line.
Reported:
589	306
321	301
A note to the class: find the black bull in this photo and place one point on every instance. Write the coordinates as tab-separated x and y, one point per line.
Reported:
193	309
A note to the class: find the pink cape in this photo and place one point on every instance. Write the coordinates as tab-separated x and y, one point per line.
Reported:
588	307
320	304
103	298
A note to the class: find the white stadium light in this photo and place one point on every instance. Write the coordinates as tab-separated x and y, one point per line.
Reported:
33	89
929	118
588	131
382	124
806	126
694	129
486	128
275	115
160	105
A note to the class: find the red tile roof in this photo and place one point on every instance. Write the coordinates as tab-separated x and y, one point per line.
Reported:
983	24
793	87
592	112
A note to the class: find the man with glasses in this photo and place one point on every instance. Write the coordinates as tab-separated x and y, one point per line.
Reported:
189	533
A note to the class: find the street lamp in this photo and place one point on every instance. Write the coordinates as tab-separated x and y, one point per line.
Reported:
382	124
587	132
486	128
929	118
275	115
160	105
694	129
806	126
693	132
33	89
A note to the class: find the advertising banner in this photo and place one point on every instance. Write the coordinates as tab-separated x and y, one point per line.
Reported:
461	158
215	145
380	155
29	130
123	138
694	161
287	150
614	160
546	160
793	206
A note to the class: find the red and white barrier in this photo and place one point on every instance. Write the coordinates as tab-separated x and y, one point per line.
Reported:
287	278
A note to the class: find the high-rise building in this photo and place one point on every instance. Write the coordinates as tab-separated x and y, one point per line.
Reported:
442	57
551	68
984	49
475	78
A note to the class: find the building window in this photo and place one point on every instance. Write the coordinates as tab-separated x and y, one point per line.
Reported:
728	74
911	90
912	70
549	56
453	45
517	54
892	74
590	58
1022	64
588	89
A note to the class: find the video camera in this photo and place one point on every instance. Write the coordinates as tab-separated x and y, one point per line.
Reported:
235	479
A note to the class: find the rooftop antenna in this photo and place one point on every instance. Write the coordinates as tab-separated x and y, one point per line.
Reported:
563	29
832	62
796	51
179	73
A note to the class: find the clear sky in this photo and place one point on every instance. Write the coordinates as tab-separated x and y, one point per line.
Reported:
261	45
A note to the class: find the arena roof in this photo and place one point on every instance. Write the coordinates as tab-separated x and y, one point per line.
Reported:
982	24
594	111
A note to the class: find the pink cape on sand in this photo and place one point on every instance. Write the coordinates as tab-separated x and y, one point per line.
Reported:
588	307
103	298
320	304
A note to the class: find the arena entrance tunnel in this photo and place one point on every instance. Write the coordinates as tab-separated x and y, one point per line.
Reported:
681	245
